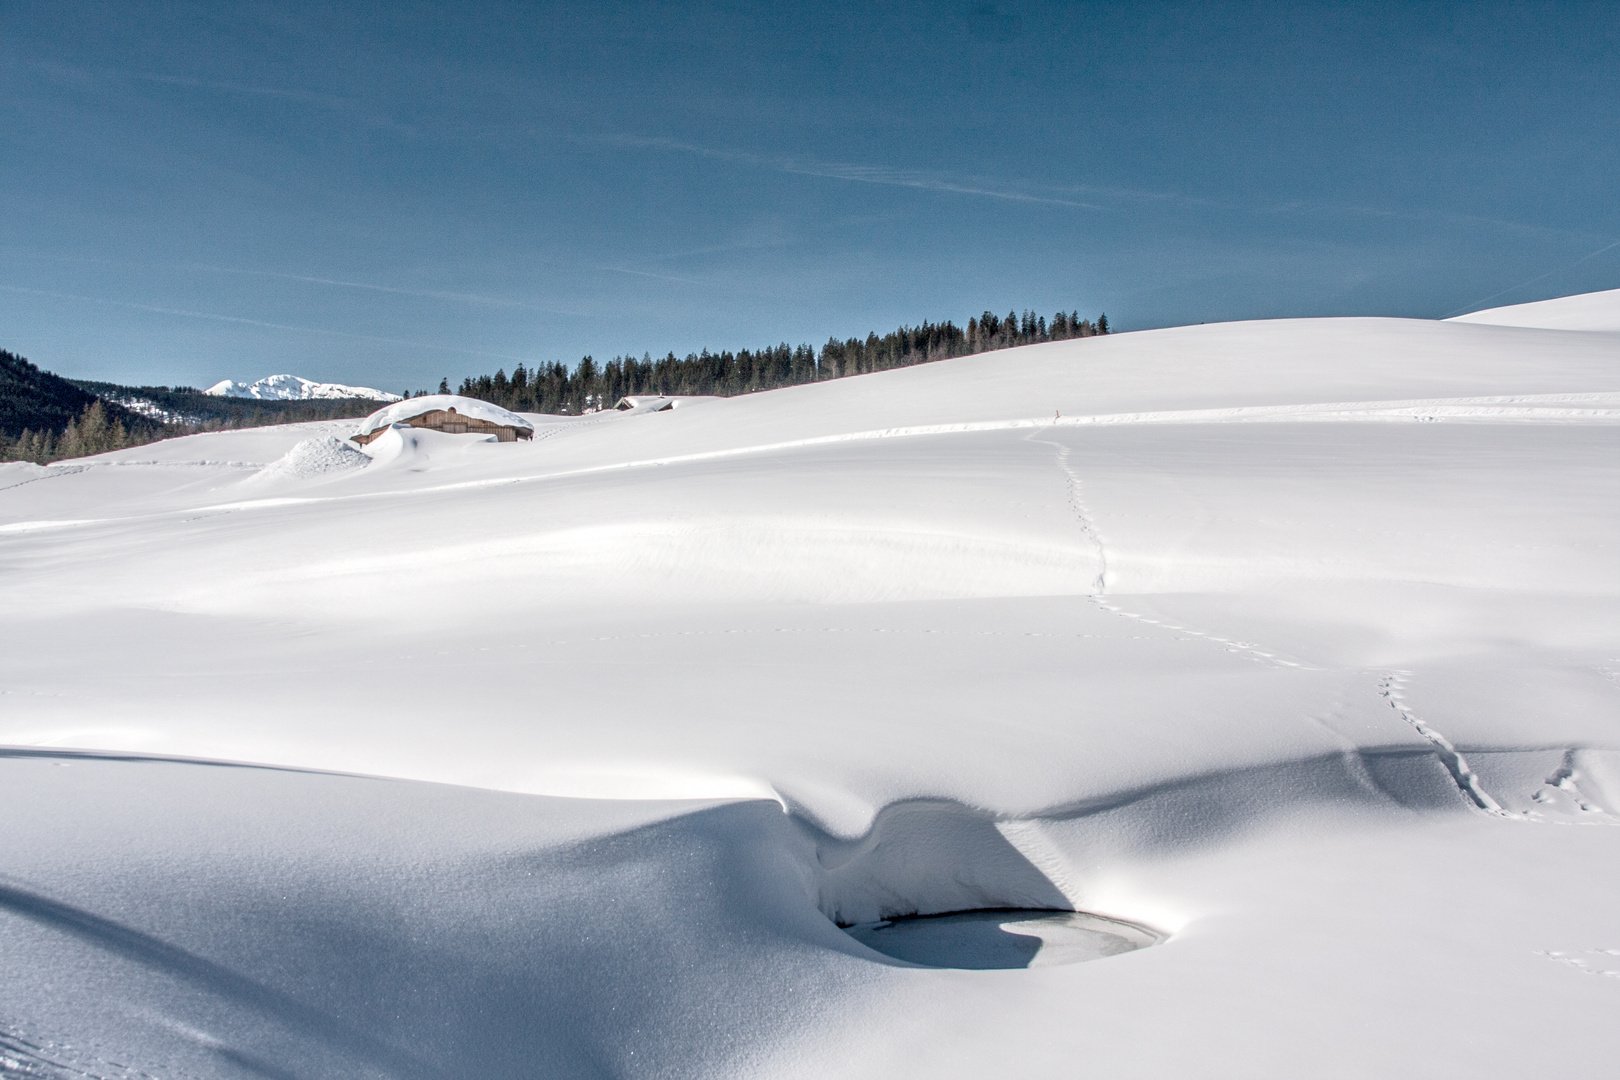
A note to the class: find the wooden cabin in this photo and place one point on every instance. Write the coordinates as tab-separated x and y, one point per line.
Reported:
454	423
645	399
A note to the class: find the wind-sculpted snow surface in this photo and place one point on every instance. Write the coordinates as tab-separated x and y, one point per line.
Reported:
1287	650
1589	311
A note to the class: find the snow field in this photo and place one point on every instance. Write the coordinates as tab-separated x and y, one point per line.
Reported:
1294	641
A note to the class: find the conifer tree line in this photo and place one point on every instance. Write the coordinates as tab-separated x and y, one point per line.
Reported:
91	432
97	430
45	418
556	389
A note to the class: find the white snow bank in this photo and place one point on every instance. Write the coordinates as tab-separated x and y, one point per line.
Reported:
322	456
1585	311
404	410
294	388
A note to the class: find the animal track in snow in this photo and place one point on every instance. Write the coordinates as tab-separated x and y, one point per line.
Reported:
1588	961
1088	525
1455	763
1082	512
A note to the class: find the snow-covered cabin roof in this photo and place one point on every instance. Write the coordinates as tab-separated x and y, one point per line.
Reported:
401	411
659	402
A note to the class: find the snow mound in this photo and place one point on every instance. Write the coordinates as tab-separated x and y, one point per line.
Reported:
1585	311
294	388
314	458
404	410
645	403
404	447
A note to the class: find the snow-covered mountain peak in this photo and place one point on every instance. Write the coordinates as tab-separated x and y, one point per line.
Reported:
294	388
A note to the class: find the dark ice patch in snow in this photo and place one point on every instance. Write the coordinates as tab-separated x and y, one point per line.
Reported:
1005	938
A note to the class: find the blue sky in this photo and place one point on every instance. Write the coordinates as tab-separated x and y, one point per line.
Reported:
390	193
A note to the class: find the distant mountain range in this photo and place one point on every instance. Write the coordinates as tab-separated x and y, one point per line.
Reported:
185	407
294	388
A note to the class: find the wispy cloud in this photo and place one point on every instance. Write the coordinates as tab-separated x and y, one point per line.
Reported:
1532	281
427	294
868	174
239	320
446	295
651	274
1099	198
330	102
1304	207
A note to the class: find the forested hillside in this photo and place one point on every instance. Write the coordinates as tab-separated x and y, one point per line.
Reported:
44	417
35	400
556	389
190	407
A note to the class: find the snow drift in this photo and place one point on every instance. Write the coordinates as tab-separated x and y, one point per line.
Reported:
313	458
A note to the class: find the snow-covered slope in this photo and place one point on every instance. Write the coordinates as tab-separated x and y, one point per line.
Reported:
1292	643
293	388
1588	311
